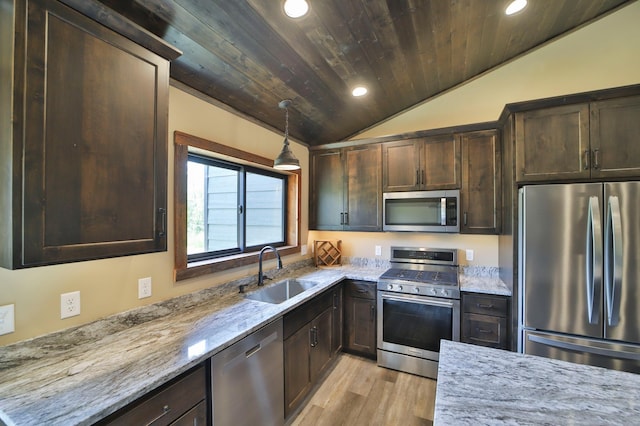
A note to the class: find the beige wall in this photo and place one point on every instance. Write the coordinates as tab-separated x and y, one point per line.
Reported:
604	54
110	286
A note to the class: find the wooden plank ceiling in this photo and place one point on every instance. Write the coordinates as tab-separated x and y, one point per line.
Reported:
248	55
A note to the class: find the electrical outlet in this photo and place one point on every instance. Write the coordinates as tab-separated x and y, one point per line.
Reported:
69	304
469	254
144	287
378	251
7	322
303	250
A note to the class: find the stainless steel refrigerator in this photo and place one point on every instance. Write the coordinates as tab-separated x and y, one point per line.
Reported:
579	273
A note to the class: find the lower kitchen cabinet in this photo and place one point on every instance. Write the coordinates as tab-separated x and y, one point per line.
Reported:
182	401
360	318
485	320
310	344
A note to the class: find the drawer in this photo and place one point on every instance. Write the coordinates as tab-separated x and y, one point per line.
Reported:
167	404
484	330
485	305
362	289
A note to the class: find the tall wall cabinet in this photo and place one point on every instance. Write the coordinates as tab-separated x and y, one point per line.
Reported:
84	160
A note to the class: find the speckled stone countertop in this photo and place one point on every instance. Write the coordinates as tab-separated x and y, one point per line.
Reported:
81	375
482	279
483	386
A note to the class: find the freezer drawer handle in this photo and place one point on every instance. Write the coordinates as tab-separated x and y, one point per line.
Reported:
593	263
611	353
613	261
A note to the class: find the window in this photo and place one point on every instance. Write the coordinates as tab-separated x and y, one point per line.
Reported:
228	204
232	208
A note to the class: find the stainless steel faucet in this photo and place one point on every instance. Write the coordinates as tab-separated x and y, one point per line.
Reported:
261	276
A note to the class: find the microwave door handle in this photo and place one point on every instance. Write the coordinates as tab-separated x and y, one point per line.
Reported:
613	261
593	261
443	211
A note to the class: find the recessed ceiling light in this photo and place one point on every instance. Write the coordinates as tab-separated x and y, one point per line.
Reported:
359	91
515	6
296	8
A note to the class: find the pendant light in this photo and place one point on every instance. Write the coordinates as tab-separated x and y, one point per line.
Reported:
286	160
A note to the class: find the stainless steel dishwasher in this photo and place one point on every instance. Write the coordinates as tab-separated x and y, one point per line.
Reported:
247	380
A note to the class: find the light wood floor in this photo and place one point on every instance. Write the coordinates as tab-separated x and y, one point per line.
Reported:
358	392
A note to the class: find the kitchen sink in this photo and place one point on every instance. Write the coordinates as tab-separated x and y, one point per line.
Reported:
281	291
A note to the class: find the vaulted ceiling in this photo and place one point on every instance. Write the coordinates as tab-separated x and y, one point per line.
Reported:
249	55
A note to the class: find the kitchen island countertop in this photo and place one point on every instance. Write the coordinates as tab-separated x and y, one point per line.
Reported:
484	386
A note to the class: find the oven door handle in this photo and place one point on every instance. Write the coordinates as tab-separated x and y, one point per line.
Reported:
424	300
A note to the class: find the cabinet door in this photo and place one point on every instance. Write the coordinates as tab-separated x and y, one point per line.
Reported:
401	165
441	162
481	183
360	325
95	145
327	191
297	378
320	353
484	330
615	137
363	200
337	320
553	143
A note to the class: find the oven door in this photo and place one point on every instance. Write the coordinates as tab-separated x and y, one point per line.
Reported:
414	325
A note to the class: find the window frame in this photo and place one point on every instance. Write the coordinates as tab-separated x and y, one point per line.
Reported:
184	269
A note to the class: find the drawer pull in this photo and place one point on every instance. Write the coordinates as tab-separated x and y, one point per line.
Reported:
361	290
165	411
484	306
481	330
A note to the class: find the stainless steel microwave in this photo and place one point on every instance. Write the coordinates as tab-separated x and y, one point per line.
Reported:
422	211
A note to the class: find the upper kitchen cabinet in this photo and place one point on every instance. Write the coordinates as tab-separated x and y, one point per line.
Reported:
345	189
84	157
426	163
580	141
481	183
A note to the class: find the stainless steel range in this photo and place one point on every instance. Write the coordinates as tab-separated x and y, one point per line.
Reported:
418	305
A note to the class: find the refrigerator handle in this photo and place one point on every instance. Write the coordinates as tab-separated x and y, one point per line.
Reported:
593	261
596	350
613	261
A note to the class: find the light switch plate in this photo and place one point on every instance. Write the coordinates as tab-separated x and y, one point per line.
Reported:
378	251
7	319
69	304
469	254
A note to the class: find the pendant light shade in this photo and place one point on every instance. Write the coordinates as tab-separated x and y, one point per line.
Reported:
286	160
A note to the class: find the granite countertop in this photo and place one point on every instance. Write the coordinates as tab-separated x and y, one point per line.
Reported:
482	279
484	386
83	374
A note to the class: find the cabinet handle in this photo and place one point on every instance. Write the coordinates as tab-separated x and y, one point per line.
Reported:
165	411
346	218
163	222
424	180
335	300
417	177
596	159
341	218
483	306
585	158
482	330
465	218
311	338
373	312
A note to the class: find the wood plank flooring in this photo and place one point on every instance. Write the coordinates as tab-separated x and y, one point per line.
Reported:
358	392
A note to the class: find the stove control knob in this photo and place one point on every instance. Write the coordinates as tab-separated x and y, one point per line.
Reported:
416	290
399	288
390	287
433	291
444	293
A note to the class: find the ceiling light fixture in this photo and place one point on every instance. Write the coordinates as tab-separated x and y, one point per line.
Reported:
296	8
359	91
515	6
286	160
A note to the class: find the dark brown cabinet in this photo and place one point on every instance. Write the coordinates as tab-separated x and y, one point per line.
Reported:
180	402
360	318
426	163
480	195
579	141
310	344
346	189
87	152
485	320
